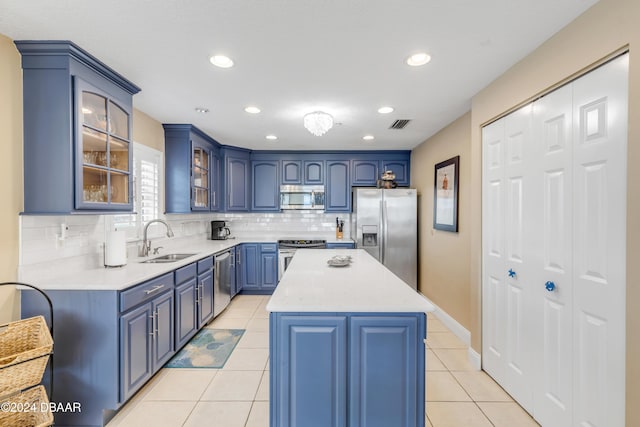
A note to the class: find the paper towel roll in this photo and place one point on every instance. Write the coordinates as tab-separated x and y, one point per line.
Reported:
115	249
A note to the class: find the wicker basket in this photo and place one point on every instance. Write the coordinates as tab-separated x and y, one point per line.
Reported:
25	346
27	409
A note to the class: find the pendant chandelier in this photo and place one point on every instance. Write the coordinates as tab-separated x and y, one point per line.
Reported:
318	122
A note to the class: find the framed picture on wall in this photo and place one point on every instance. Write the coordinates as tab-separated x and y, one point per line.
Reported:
445	195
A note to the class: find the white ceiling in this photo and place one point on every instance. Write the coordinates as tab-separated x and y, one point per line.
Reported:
346	57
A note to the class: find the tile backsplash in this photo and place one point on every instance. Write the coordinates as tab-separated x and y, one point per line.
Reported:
76	241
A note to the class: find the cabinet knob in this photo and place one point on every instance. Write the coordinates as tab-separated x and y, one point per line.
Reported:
511	273
550	286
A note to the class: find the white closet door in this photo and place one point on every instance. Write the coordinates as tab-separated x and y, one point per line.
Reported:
506	249
599	241
518	269
552	310
493	274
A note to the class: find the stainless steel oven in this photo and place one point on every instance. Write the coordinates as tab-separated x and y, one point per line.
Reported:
287	249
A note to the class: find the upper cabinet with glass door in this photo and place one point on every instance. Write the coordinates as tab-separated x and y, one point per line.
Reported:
200	174
103	150
77	131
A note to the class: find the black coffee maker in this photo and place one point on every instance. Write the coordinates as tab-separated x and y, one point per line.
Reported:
219	231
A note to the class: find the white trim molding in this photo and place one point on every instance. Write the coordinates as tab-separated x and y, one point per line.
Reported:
460	331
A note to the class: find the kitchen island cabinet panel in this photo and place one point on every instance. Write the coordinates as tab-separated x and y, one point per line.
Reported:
311	382
347	369
385	367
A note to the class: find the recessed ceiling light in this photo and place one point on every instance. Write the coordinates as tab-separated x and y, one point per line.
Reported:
202	110
368	137
418	59
252	110
385	110
221	61
271	137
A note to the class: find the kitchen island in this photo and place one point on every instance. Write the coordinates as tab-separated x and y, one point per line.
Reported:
346	345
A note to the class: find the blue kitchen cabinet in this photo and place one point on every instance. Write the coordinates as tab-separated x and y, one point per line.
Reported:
204	291
192	170
258	268
147	332
309	383
216	179
386	371
291	172
269	266
248	265
347	369
400	168
365	172
136	330
313	172
77	131
233	287
265	191
338	187
302	172
186	304
236	268
341	245
237	179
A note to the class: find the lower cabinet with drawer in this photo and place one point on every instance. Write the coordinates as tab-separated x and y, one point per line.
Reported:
146	331
109	343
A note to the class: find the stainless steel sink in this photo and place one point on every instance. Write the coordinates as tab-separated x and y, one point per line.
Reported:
167	258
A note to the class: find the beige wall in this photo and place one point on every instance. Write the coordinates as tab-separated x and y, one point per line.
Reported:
147	131
444	256
606	28
10	173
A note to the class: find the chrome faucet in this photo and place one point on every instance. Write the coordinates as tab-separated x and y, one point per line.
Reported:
146	243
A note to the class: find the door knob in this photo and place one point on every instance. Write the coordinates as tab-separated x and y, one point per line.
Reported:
512	273
550	286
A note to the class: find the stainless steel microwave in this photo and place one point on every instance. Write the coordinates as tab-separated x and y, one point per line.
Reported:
302	197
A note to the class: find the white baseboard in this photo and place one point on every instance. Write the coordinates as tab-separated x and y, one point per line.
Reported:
475	359
459	331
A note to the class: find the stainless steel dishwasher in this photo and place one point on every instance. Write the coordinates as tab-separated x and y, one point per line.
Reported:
222	281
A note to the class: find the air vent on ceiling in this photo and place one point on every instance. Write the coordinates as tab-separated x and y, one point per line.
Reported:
399	124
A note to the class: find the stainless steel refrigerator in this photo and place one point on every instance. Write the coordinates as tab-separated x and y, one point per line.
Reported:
385	224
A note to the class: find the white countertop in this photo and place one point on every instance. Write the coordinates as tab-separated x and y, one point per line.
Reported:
135	272
310	285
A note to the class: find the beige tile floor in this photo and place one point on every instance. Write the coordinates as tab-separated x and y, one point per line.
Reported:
238	394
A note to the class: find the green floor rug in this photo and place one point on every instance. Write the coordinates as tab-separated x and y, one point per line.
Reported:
209	348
